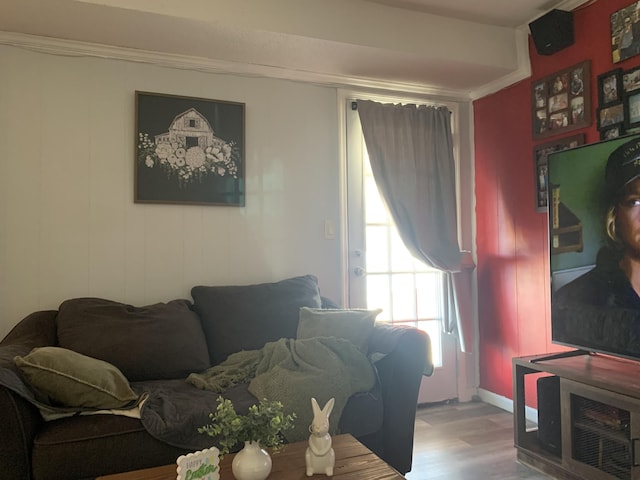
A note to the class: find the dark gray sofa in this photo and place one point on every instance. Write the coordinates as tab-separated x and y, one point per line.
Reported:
220	321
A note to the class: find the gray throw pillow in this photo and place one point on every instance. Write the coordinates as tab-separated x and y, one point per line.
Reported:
71	379
354	325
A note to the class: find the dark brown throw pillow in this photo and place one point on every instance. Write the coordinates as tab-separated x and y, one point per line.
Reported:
153	342
245	317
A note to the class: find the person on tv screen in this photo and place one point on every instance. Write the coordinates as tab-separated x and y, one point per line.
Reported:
602	307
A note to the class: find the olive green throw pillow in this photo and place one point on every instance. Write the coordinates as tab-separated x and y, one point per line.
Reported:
71	379
354	325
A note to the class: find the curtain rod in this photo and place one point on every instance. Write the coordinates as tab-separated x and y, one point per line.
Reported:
354	106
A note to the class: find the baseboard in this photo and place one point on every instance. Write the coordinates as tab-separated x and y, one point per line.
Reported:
505	403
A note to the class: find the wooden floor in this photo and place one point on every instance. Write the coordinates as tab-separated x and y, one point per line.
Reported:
466	441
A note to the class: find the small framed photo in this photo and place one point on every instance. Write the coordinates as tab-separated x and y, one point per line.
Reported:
610	87
540	156
558	102
611	115
632	110
577	109
613	131
559	83
623	33
631	80
559	120
540	95
540	122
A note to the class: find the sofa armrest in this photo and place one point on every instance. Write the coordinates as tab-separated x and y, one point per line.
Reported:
405	359
35	330
20	420
387	338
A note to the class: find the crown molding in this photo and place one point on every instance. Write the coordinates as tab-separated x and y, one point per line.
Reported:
521	38
567	5
55	46
523	70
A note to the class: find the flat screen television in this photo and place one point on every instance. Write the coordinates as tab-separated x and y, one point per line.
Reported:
577	209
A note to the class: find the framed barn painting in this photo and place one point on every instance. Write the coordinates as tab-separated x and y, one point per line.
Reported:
189	150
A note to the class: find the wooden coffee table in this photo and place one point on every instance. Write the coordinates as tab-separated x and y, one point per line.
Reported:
353	461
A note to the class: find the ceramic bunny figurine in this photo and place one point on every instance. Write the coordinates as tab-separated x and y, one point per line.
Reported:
320	457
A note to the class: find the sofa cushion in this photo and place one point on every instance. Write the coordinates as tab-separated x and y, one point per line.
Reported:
246	317
87	447
354	325
160	341
71	379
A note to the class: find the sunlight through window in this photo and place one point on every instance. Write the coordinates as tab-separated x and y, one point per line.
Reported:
408	291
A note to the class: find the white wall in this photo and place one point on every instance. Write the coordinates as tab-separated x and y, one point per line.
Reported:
68	223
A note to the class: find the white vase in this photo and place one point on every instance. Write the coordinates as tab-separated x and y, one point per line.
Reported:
251	463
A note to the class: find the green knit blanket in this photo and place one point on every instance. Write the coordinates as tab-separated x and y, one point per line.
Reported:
292	371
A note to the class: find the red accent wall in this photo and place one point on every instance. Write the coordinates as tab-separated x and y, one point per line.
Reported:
512	249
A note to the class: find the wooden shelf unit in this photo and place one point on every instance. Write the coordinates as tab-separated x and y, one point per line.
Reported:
599	413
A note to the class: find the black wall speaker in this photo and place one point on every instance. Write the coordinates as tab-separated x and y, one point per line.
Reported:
549	430
552	32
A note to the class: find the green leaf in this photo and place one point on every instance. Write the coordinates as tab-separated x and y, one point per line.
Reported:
264	423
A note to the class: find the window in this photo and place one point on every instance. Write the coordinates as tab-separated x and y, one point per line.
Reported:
408	291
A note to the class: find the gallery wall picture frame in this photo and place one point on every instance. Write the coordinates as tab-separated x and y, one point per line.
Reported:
611	115
540	161
614	131
623	43
610	87
189	150
631	80
562	102
632	110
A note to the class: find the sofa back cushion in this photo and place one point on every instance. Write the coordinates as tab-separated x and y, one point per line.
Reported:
154	342
245	317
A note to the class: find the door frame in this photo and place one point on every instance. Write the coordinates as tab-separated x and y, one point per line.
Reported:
467	364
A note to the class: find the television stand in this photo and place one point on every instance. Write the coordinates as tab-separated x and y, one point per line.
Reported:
567	354
589	421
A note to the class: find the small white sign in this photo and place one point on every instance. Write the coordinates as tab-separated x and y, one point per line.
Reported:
201	465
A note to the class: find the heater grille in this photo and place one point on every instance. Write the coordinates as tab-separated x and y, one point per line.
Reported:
601	437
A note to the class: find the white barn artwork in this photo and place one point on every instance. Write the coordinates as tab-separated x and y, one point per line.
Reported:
189	129
188	150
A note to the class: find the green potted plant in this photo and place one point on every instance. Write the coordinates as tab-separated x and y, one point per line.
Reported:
260	428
